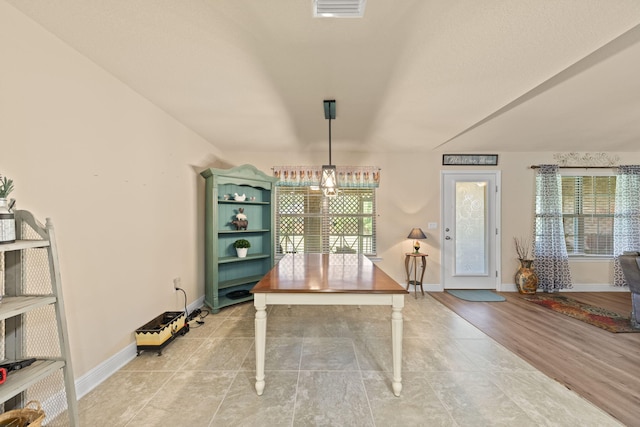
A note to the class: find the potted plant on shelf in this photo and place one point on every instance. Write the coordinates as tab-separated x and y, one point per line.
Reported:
242	246
7	217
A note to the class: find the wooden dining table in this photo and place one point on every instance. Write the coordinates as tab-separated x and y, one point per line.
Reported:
327	279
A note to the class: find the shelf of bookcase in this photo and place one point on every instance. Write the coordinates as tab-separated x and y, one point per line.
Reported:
261	230
226	260
224	284
233	202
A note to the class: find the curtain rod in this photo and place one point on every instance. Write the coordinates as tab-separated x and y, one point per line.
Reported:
579	167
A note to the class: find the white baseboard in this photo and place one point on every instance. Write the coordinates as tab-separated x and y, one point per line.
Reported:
100	373
97	375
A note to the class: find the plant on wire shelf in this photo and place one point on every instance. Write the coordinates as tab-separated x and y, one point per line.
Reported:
6	186
241	243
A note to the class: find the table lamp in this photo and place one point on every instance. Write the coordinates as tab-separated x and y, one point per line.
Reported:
415	234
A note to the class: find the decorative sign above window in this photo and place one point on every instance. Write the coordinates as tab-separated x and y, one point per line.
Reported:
470	159
348	176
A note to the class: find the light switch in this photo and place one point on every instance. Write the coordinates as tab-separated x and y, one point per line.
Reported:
433	225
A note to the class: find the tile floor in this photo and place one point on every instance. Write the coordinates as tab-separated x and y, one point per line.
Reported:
331	366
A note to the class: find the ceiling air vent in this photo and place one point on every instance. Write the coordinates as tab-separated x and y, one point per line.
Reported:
338	8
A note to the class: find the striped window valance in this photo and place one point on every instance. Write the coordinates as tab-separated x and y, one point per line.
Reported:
348	176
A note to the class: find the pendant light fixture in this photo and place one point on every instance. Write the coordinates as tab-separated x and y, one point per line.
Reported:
329	180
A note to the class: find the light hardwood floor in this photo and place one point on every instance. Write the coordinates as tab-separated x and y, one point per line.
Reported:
601	366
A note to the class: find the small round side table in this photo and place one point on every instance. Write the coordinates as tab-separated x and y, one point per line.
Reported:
412	273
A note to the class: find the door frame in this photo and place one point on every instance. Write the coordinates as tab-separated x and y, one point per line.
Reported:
497	220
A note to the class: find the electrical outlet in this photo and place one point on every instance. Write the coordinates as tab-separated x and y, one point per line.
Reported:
176	283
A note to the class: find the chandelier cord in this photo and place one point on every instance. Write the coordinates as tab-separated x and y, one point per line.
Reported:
330	140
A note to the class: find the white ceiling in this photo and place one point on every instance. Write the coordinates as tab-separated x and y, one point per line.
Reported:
412	75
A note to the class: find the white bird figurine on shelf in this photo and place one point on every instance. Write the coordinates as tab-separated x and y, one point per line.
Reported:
238	198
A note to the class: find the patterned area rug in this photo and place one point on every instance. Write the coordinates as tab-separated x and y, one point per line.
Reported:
596	316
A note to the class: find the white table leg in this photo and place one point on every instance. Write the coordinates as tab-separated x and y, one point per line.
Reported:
259	302
396	338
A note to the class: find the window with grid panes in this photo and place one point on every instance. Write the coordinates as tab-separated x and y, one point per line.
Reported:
306	221
588	206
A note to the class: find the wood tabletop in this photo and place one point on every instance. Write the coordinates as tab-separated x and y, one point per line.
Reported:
340	273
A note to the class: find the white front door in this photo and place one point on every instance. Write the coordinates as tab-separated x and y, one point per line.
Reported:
470	234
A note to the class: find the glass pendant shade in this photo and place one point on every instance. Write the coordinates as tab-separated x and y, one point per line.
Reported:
329	182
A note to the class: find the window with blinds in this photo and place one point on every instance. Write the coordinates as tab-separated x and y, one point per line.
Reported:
308	222
588	206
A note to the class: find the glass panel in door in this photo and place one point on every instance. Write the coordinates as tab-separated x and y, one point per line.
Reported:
471	228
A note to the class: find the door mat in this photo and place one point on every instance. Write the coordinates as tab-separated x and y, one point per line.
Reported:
481	295
596	316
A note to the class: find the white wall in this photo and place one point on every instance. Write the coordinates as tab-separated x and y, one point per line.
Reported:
118	177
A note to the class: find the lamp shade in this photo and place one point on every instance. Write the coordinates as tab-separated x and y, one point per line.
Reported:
416	233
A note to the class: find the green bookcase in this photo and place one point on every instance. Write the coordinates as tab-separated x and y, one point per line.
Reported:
227	277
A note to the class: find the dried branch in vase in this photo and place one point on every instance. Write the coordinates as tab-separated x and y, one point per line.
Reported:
523	248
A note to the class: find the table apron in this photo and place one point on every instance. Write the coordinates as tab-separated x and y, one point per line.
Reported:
319	298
